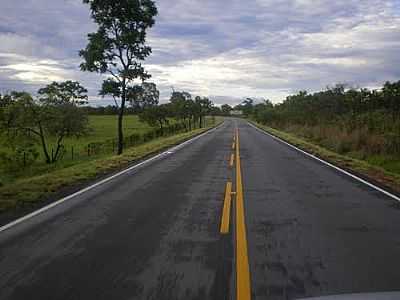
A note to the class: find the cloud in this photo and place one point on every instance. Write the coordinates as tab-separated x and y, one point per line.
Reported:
223	49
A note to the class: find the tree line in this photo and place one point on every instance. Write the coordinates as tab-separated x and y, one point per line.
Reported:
343	117
59	110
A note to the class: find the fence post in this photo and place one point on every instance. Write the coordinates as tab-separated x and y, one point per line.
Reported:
72	152
88	149
24	159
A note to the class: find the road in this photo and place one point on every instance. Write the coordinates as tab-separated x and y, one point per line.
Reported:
296	228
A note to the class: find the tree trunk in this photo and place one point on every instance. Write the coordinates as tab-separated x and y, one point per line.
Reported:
200	121
120	142
161	127
55	158
44	146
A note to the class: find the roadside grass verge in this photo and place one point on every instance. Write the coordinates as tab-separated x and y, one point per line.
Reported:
26	193
361	168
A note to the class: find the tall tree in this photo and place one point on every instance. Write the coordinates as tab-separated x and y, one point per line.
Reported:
119	47
204	106
181	105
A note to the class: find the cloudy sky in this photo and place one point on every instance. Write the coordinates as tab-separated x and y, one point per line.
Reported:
225	49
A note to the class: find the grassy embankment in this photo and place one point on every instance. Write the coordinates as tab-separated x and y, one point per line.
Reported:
381	169
41	182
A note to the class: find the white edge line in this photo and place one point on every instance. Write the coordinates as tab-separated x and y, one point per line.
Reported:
329	164
105	180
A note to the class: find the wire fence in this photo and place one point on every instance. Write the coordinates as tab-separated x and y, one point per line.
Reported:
110	146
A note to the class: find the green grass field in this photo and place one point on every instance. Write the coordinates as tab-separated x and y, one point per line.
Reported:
101	128
105	127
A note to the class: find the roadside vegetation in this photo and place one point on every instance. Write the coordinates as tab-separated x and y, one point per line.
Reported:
52	139
360	124
45	135
25	193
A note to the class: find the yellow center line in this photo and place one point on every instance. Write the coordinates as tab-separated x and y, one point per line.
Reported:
243	291
232	160
227	209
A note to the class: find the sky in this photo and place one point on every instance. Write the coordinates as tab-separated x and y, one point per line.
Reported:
223	49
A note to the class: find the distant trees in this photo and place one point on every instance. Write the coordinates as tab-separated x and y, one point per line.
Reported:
156	116
190	111
246	106
391	98
226	109
118	49
145	96
181	107
202	108
49	118
351	119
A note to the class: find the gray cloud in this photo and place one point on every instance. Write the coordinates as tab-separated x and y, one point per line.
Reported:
224	49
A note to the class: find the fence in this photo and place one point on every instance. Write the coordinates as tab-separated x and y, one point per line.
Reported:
74	152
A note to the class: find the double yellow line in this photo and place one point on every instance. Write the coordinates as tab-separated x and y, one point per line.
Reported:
243	289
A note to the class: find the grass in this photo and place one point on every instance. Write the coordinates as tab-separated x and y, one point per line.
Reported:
28	192
105	127
375	168
101	128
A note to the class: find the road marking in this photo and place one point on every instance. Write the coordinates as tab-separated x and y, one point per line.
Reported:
226	213
330	165
243	291
232	160
80	192
233	146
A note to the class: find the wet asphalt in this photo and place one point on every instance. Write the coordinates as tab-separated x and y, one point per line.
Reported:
153	233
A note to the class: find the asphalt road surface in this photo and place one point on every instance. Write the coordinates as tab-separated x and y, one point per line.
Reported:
295	228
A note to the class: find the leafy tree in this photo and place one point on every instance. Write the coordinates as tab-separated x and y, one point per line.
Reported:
155	115
216	111
182	106
226	109
204	106
118	48
391	98
56	113
144	96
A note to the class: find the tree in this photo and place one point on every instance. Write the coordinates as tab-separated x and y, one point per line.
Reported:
182	106
226	109
118	48
155	116
391	98
247	106
56	113
144	96
204	106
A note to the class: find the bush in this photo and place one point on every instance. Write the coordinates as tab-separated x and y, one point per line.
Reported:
19	157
